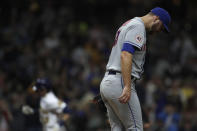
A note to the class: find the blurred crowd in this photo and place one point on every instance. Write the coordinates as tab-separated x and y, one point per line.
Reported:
70	42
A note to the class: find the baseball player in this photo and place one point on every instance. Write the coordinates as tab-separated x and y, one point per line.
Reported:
51	108
125	66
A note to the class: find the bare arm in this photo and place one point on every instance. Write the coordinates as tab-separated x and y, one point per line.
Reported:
126	63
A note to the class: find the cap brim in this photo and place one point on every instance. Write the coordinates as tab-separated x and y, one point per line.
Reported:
166	28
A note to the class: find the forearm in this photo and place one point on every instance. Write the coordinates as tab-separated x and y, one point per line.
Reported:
126	63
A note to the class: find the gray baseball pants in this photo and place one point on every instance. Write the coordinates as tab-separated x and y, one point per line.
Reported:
122	117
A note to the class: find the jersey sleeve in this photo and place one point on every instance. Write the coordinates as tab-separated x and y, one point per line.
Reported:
135	36
56	105
61	106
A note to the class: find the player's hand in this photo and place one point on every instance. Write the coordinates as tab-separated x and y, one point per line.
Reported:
27	110
125	96
65	117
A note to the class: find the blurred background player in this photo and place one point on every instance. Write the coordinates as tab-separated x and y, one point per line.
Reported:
51	109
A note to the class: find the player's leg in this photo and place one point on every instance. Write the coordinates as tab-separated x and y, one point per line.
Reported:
129	114
135	110
115	123
133	120
124	114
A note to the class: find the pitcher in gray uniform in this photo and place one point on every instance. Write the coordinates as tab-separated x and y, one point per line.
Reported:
125	66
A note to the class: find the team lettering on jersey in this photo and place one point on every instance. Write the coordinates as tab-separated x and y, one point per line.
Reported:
126	22
118	32
116	37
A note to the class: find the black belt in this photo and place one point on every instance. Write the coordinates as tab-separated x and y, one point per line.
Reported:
114	72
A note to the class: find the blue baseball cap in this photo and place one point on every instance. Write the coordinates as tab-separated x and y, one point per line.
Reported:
164	16
42	83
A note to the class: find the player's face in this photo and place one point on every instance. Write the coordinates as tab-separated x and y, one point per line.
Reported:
42	92
156	26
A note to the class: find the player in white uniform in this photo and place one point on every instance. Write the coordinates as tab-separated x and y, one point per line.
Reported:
51	108
125	65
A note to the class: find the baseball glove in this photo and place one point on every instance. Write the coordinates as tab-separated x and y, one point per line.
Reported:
97	100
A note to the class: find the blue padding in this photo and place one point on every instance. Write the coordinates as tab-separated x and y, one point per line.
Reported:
128	47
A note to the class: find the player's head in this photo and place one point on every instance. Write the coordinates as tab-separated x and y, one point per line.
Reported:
42	85
160	20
